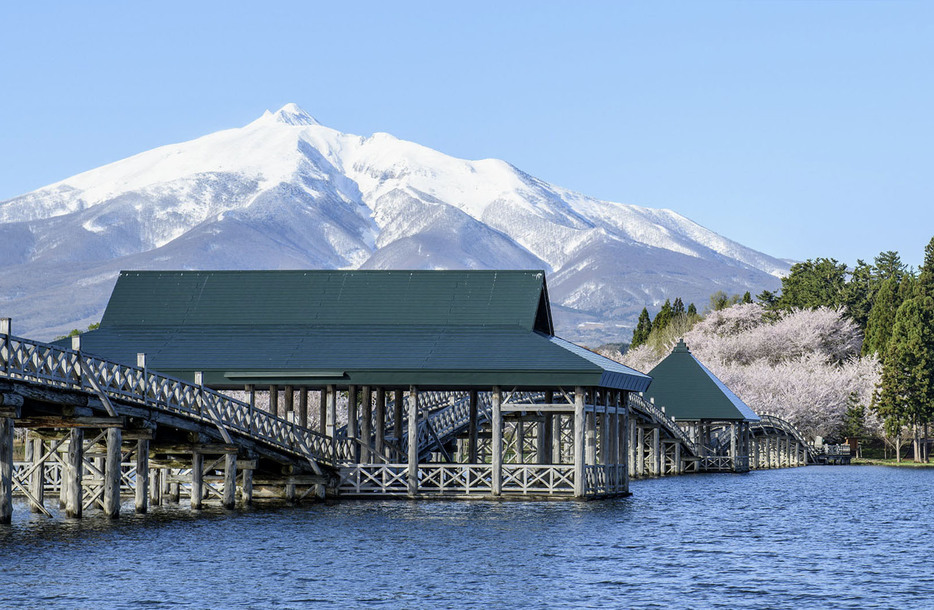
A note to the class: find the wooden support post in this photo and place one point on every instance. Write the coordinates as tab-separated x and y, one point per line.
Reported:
323	412
303	408
656	451
472	427
112	473
546	433
352	417
230	480
155	486
413	441
142	476
246	490
579	417
640	451
590	437
397	415
274	400
197	480
251	392
379	436
331	416
557	423
6	470
288	410
290	496
366	419
624	449
677	465
497	441
519	437
74	497
37	481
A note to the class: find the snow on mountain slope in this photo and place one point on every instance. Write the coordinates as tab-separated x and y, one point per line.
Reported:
285	191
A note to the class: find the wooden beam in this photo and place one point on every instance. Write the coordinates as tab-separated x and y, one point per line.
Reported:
37	479
413	442
472	427
579	442
54	421
230	480
379	439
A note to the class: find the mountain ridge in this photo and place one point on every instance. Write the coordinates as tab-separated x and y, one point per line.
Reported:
285	190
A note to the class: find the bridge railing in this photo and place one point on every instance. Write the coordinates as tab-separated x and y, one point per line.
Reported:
639	403
791	430
50	365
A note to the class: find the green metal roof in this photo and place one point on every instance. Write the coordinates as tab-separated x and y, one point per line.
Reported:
391	328
689	391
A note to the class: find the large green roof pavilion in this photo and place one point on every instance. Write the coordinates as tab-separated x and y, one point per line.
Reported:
380	328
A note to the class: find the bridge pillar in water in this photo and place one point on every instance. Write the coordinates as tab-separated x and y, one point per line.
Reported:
579	417
112	473
246	489
352	420
230	480
142	476
496	442
37	480
624	443
6	470
656	451
197	480
366	424
71	484
303	408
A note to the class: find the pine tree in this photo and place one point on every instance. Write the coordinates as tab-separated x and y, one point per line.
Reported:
692	311
813	284
663	317
858	294
677	309
888	264
882	317
643	328
747	298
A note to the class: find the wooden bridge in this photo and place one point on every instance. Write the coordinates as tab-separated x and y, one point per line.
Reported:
99	430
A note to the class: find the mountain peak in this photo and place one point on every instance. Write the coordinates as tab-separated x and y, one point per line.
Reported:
291	114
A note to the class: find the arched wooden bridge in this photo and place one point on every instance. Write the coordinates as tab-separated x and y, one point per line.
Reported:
100	428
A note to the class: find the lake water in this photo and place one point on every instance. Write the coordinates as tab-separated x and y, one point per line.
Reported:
842	537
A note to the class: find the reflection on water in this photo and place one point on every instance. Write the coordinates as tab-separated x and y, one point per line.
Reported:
845	537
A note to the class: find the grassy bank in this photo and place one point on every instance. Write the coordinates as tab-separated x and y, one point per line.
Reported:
891	462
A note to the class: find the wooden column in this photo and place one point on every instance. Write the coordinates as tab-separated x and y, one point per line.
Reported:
274	400
37	480
590	436
547	432
519	436
352	417
197	480
74	497
332	415
413	441
624	449
366	419
303	408
155	486
472	428
142	476
289	407
6	470
579	487
379	436
323	412
640	451
733	446
496	444
230	480
246	490
251	391
656	451
677	464
397	416
112	473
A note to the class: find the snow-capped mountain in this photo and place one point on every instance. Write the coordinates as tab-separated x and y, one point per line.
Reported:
287	192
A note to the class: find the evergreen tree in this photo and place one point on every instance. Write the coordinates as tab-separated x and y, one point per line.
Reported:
692	311
643	328
718	301
677	309
888	264
768	299
747	298
882	317
858	294
813	284
663	317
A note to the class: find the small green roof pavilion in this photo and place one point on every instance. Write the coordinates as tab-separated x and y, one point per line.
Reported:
690	392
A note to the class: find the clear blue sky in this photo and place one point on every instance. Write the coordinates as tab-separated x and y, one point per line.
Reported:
802	129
